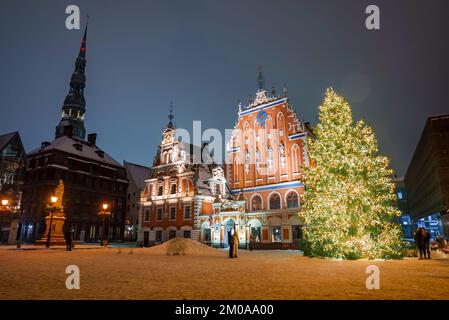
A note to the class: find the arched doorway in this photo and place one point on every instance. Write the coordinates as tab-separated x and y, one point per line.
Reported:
206	235
254	226
228	226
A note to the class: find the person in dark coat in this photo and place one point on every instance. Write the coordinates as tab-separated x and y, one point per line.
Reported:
68	240
231	244
420	242
426	243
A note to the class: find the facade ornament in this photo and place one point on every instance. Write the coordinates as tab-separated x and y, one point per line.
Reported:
282	154
270	158
258	161
247	162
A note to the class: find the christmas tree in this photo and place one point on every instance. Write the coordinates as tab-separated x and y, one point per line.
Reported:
349	200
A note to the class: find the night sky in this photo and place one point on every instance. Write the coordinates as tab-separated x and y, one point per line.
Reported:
203	56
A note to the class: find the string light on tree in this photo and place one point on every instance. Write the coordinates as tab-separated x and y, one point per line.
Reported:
349	199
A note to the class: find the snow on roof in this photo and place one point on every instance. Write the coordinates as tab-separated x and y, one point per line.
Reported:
5	138
66	144
137	173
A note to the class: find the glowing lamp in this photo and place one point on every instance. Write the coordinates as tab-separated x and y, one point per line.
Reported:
54	199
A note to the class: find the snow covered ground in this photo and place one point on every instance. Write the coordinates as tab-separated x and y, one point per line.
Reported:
206	273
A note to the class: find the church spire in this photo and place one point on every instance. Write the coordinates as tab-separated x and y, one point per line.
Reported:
260	79
171	116
83	47
74	106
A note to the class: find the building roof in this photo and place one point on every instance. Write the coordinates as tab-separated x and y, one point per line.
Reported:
66	144
6	138
137	173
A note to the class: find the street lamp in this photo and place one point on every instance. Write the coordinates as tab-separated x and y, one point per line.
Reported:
53	200
5	203
104	212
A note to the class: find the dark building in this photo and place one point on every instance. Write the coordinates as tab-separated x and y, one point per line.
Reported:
427	177
405	220
137	175
91	177
12	171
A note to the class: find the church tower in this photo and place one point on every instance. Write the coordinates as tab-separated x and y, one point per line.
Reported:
74	107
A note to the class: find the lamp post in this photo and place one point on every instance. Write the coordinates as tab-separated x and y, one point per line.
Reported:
104	212
53	200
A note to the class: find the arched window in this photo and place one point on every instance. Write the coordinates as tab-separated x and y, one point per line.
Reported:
292	200
275	201
256	203
280	124
295	158
236	169
160	191
173	189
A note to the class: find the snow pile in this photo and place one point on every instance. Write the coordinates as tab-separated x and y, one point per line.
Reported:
183	246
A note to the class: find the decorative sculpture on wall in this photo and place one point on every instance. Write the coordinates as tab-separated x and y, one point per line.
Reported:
282	154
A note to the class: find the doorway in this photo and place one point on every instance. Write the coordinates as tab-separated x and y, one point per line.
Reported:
229	226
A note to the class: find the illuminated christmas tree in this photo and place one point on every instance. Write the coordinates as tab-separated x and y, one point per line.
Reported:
349	199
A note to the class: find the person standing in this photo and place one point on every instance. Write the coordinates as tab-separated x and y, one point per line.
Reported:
426	243
236	243
252	239
420	243
231	244
68	239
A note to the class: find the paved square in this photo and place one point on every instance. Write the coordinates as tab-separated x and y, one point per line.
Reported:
143	274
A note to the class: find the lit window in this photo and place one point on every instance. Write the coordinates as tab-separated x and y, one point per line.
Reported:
277	237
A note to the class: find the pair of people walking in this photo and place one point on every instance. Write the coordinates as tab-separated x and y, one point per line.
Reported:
422	240
233	240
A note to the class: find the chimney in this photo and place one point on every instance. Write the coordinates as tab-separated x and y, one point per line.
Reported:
45	144
92	138
68	131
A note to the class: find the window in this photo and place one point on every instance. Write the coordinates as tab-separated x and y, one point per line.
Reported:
171	234
187	212
173	189
160	191
159	236
256	203
147	215
296	158
172	213
187	233
275	201
276	234
292	200
159	214
297	232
